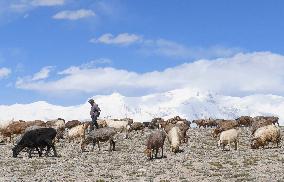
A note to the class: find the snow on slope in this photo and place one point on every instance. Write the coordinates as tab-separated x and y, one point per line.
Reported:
188	103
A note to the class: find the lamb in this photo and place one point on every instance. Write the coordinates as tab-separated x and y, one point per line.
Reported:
38	138
264	135
71	124
78	132
155	141
100	135
244	121
228	137
174	137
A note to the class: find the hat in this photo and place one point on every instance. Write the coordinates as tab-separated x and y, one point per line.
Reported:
91	101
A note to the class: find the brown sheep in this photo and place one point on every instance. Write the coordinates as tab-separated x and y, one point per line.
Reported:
100	135
14	128
155	141
36	123
244	121
137	126
71	124
200	123
155	123
224	125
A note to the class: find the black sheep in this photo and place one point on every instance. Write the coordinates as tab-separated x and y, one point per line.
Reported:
38	138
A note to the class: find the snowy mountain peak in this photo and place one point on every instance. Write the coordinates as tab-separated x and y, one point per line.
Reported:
188	103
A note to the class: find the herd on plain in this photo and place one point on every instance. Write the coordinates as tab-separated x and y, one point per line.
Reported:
42	136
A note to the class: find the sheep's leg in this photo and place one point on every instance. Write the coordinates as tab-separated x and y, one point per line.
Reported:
113	145
110	143
94	143
156	153
39	152
51	145
98	143
30	152
162	151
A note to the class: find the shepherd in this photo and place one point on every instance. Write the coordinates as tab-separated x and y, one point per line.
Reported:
95	113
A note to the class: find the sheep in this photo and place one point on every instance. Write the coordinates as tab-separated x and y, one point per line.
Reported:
244	121
227	124
155	141
137	126
270	119
210	123
38	138
100	135
102	123
78	132
174	137
36	123
228	137
264	135
58	124
155	123
200	123
14	128
120	125
71	124
183	128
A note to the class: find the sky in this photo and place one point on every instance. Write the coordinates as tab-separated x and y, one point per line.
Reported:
65	51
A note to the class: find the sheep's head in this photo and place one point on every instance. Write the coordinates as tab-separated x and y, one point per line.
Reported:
175	149
148	152
16	150
254	144
216	131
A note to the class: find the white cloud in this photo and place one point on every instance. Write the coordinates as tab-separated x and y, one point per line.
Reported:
120	39
4	72
242	74
42	74
74	15
47	2
163	47
172	49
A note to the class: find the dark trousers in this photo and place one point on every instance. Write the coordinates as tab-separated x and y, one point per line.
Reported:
94	123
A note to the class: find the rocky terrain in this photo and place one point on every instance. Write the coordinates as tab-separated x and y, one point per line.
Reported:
199	160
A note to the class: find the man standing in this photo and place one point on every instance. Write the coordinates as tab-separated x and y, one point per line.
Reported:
95	113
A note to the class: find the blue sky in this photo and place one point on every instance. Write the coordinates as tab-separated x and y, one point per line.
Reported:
50	48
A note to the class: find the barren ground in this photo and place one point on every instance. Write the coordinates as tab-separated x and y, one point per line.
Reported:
200	160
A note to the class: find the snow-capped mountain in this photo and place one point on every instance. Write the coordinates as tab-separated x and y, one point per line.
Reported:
188	103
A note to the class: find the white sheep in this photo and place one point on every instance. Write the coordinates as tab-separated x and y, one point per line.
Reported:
264	135
120	125
78	132
174	137
229	136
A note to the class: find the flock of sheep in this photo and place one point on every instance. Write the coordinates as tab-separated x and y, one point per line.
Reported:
42	136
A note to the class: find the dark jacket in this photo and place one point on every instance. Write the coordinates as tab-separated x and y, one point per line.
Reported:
95	111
